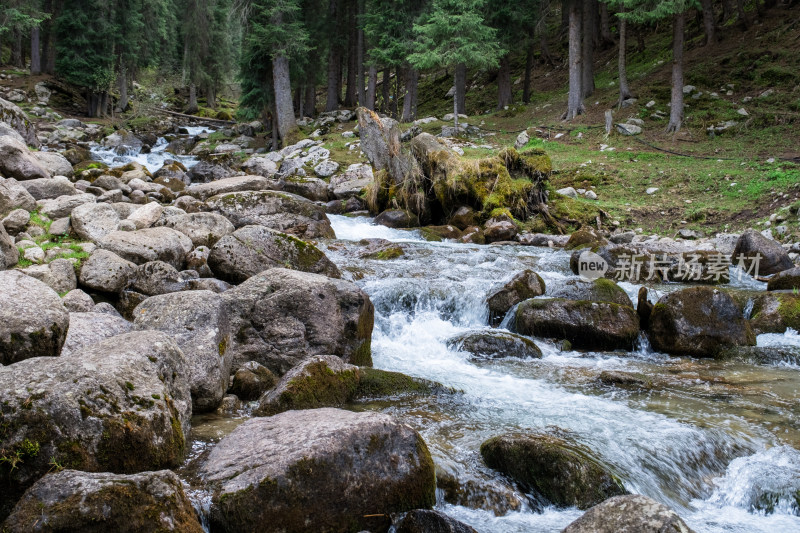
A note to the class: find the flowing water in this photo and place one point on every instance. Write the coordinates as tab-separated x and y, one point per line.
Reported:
716	441
153	160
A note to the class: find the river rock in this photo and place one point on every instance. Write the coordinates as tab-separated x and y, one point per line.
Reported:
495	344
54	163
321	381
209	171
106	271
204	229
71	500
524	285
280	211
230	185
350	465
156	277
500	229
428	521
86	329
253	249
775	312
312	188
380	142
33	321
64	205
326	168
9	253
787	280
698	321
93	222
17	161
198	322
16	221
598	290
260	166
59	275
586	237
353	182
147	215
121	405
587	325
285	316
631	513
150	244
77	301
251	381
123	142
563	473
397	218
49	188
13	195
752	244
17	120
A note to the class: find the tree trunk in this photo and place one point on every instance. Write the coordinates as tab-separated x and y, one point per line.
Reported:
123	89
545	47
385	88
16	49
455	101
605	25
90	106
526	86
575	99
640	44
708	22
461	89
334	62
504	94
283	98
624	89
727	11
372	88
276	143
102	105
192	108
741	14
676	111
211	96
410	97
49	38
351	94
394	101
362	95
36	55
310	97
587	82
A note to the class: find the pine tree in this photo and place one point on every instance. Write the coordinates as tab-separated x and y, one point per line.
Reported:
17	18
455	34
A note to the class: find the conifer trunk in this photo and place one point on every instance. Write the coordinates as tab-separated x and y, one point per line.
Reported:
708	22
385	88
283	98
351	94
372	88
16	49
123	88
334	63
741	14
605	25
410	96
362	95
192	108
310	97
676	111
575	98
461	89
587	81
504	94
526	86
36	55
624	89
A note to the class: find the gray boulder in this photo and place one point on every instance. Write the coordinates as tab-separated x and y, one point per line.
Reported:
49	188
77	301
54	163
500	229
204	229
251	381
771	258
253	249
353	182
17	121
585	324
209	171
356	468
13	195
495	345
524	285
121	405
198	322
312	188
598	290
86	329
71	500
397	218
17	161
260	166
230	185
147	215
106	271
64	205
9	253
428	521
281	211
285	316
788	280
380	142
59	275
150	244
93	222
157	277
16	221
33	321
629	514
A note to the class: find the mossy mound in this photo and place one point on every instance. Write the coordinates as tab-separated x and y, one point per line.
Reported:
775	312
375	383
553	468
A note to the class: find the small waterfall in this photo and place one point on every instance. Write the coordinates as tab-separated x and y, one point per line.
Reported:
748	308
201	501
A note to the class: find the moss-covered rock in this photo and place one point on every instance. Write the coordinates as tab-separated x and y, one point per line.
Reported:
523	286
761	355
375	383
775	312
553	468
427	521
440	233
73	501
350	473
698	321
496	495
788	280
629	513
495	344
586	237
597	290
586	324
252	380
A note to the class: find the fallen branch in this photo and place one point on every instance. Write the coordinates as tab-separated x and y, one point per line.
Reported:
193	117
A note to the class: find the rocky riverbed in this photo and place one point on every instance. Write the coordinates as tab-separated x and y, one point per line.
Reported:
200	335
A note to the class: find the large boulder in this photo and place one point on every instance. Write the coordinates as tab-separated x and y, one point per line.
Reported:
554	468
93	222
253	249
49	188
121	405
353	182
788	280
13	195
351	472
320	381
90	502
775	312
698	321
9	253
204	229
86	329
759	255
33	321
629	514
106	271
150	244
64	205
428	521
198	322
251	381
260	166
285	316
597	290
209	171
59	275
380	142
397	218
123	143
523	286
15	118
281	211
585	324
229	185
17	161
54	163
495	345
